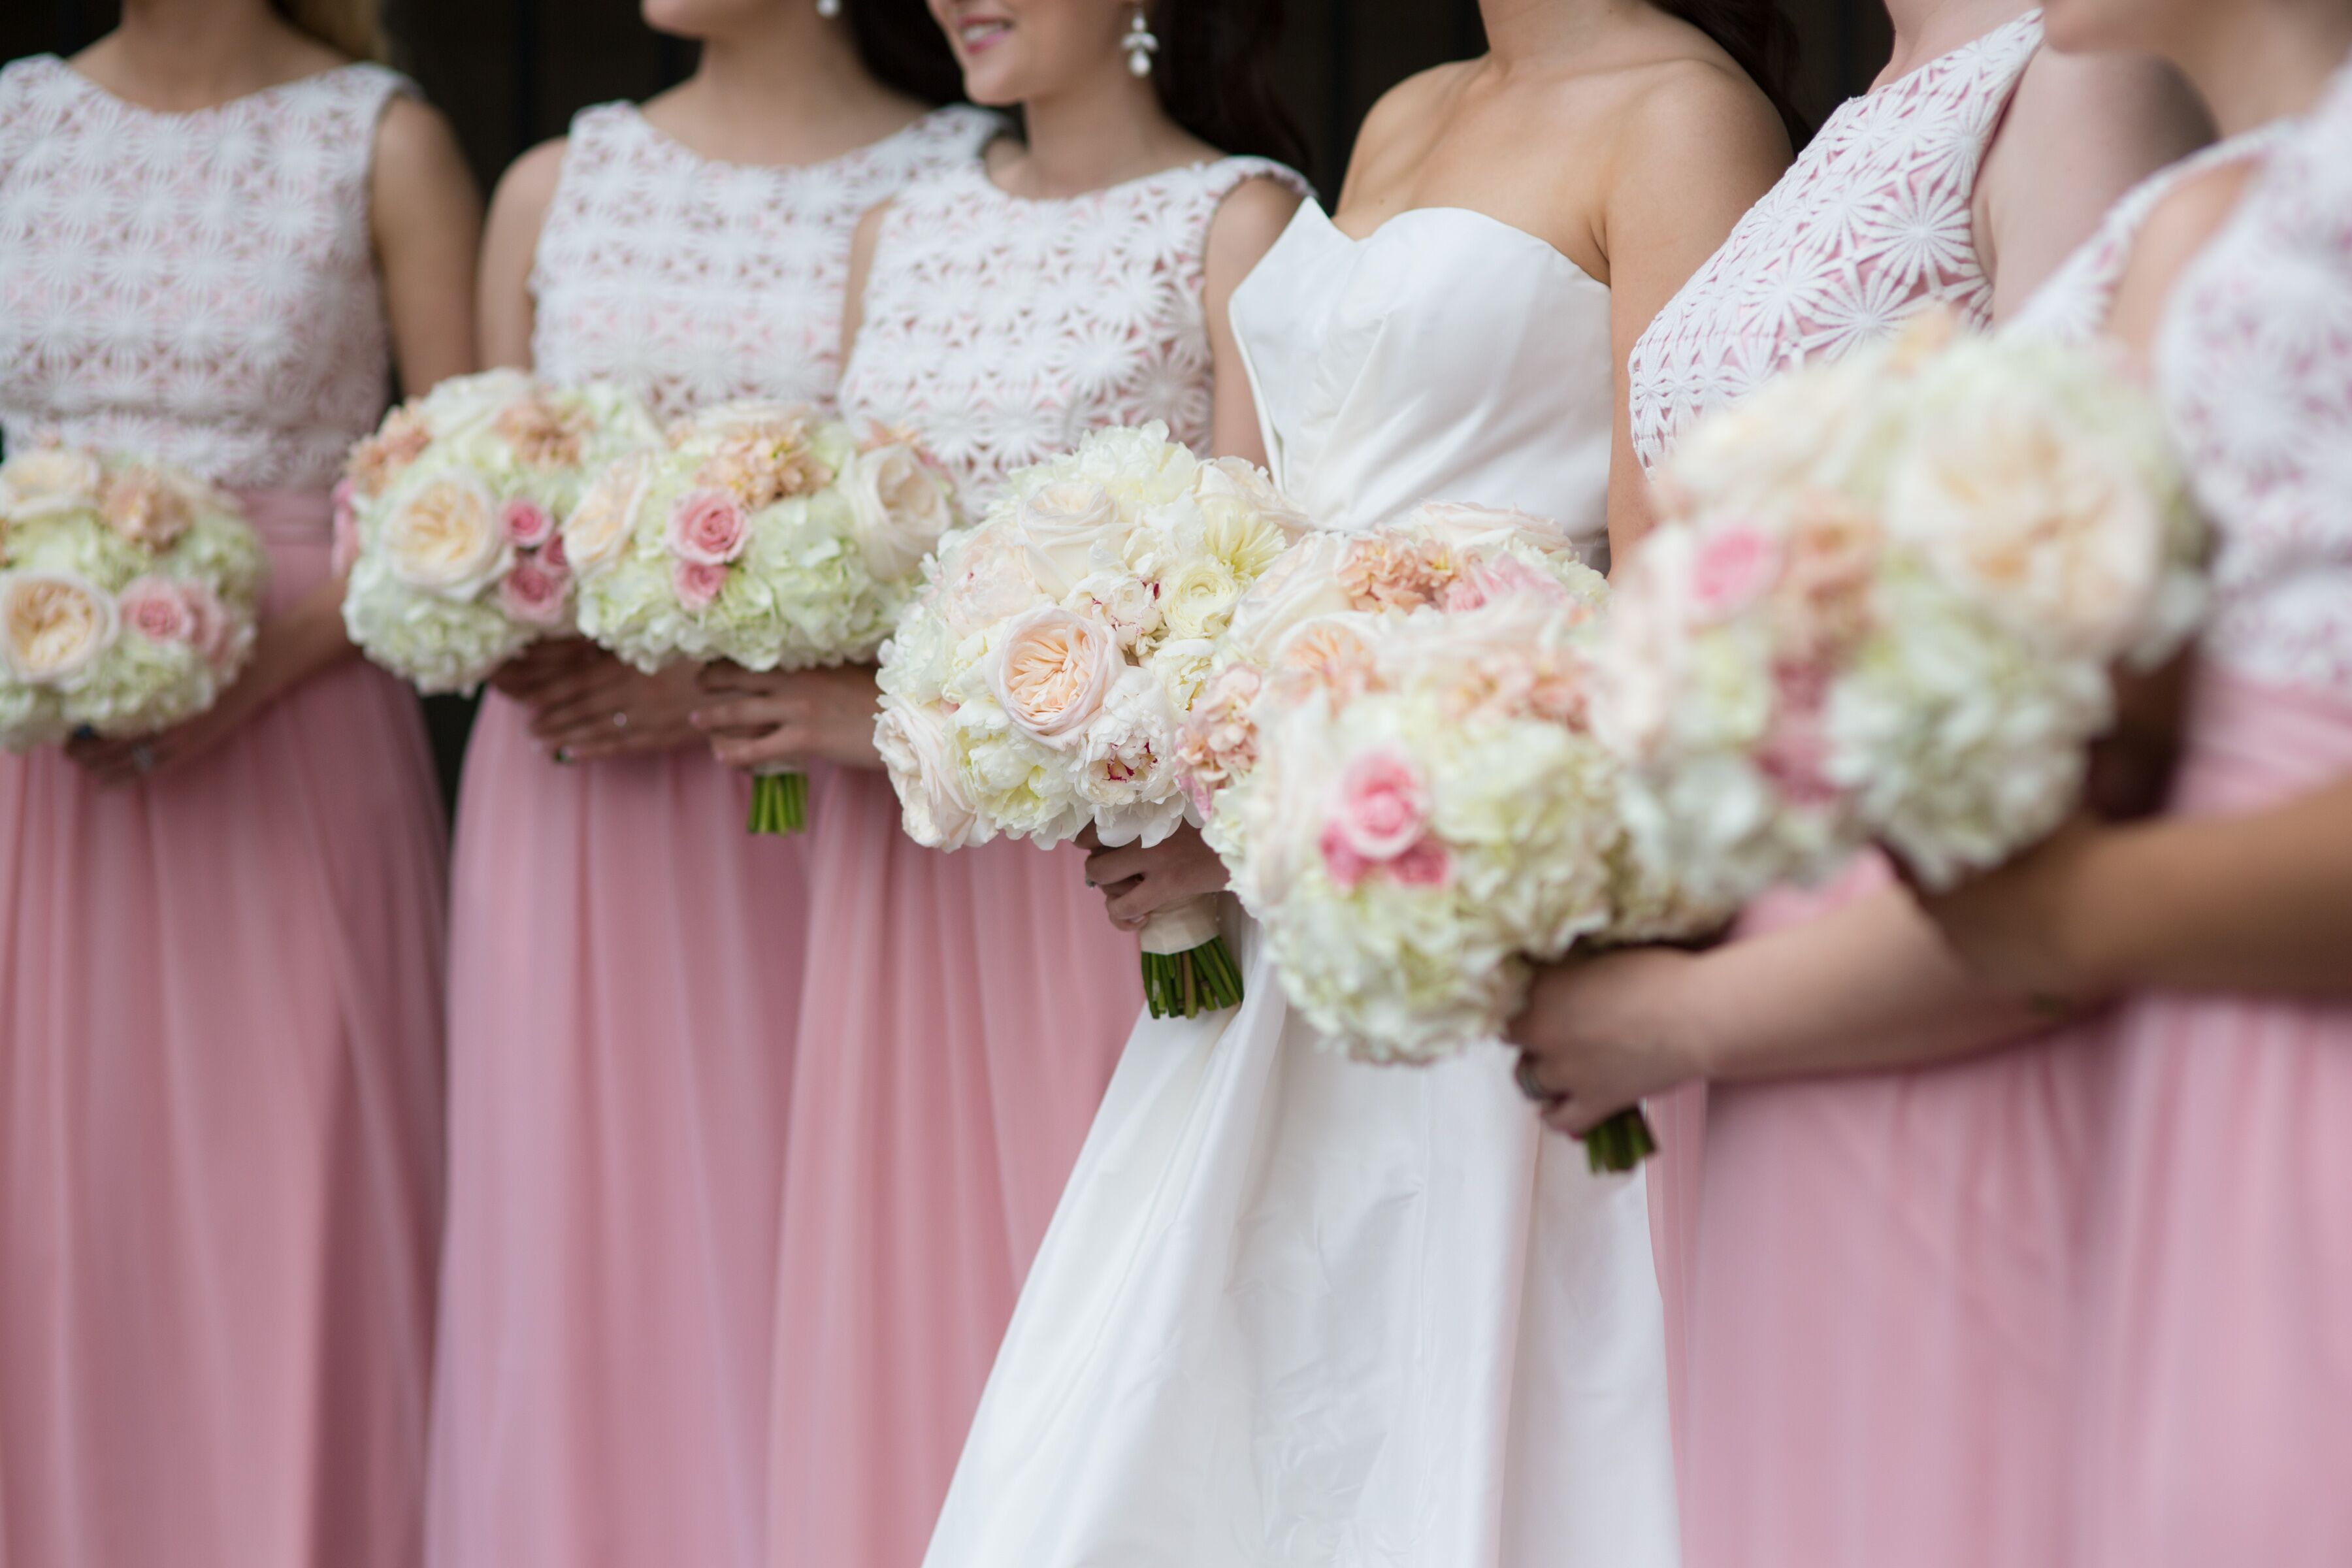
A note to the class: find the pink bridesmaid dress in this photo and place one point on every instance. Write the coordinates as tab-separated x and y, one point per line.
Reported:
964	1011
1877	1309
220	990
626	960
2216	1386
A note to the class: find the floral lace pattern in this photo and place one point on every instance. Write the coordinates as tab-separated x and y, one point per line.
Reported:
694	282
1000	331
2255	364
200	289
1873	223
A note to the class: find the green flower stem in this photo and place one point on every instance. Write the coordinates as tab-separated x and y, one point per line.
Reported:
1187	984
1620	1144
778	803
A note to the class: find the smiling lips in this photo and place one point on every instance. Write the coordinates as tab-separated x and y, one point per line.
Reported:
978	34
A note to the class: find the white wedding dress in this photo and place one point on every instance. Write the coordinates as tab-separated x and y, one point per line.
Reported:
1293	1310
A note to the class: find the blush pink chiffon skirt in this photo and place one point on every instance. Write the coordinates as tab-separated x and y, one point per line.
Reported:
1883	1290
220	1143
964	1014
625	977
2217	1410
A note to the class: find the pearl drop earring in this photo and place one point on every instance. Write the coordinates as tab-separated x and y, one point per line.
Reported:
828	9
1140	45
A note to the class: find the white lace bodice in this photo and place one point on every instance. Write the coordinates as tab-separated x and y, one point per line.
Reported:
2073	306
1400	368
1000	331
695	282
2255	364
200	287
1873	223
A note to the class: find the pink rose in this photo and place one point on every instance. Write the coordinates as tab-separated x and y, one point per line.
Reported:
527	524
1346	867
1054	672
159	611
708	528
1381	808
697	582
1733	568
346	553
216	635
533	593
1796	750
1425	864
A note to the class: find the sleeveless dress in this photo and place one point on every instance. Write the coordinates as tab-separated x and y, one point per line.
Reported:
626	966
1297	1309
220	989
1879	1308
963	1011
2217	1393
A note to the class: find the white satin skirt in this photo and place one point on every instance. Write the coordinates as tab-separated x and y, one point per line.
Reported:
1295	1309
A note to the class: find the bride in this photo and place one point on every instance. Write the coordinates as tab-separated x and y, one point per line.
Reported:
1295	1309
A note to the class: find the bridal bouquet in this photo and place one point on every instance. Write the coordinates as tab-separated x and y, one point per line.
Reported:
1037	686
1407	793
1889	611
128	595
448	518
761	536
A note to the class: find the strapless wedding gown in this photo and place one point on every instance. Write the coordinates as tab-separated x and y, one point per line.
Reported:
1293	1310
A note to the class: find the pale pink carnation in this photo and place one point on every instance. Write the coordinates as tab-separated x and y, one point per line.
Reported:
1219	741
543	436
527	523
533	593
376	461
1501	578
1382	574
145	510
697	582
708	528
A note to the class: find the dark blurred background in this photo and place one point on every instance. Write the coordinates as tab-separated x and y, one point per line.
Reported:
511	73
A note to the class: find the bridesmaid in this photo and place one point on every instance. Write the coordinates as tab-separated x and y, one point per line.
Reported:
1878	1313
964	1011
220	949
2215	1410
626	960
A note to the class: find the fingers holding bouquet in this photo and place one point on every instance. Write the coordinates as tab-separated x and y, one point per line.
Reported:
757	721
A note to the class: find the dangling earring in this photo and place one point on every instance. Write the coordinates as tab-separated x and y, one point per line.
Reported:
828	9
1140	45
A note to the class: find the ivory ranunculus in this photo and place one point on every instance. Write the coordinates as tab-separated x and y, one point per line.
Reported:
597	532
1061	526
918	747
446	539
53	624
899	510
1053	671
1198	600
51	479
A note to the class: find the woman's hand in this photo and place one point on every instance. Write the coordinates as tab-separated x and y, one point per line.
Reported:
758	722
1139	883
1601	1035
596	707
275	670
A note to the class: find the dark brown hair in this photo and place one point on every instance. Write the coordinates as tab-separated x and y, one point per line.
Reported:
901	43
1761	40
1214	73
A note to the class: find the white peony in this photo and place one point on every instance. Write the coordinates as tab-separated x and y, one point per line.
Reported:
443	537
53	624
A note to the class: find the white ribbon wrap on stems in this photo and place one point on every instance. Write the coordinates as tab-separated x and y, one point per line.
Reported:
1182	928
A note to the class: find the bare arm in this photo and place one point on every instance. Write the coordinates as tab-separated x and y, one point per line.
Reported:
1245	230
517	212
2080	131
862	246
1697	152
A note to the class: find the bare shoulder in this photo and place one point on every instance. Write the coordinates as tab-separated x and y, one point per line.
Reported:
527	188
1694	107
2102	103
2179	229
1405	117
415	140
1246	226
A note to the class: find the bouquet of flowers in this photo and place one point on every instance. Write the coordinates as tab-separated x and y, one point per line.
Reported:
1037	686
1407	794
760	535
128	595
447	520
1888	611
